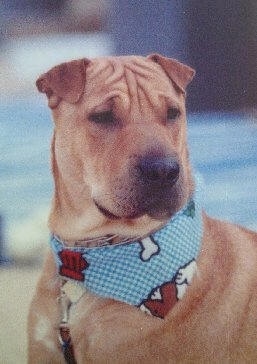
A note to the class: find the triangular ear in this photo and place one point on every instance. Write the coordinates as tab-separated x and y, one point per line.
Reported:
178	72
65	81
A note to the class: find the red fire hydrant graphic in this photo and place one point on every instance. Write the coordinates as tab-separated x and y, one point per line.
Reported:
73	265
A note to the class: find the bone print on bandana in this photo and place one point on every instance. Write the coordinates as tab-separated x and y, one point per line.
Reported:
149	248
152	273
162	299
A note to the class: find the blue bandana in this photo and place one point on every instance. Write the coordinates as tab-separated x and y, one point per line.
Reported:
151	273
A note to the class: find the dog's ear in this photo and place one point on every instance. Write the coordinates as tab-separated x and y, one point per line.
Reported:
65	81
178	72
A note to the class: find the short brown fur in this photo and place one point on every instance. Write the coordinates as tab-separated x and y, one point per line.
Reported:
216	322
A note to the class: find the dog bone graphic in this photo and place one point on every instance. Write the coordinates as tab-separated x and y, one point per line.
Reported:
186	273
184	278
149	248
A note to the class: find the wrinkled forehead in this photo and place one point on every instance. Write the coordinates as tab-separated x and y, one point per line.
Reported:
132	76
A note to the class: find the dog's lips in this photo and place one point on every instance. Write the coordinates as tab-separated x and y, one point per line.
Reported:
154	213
112	216
106	212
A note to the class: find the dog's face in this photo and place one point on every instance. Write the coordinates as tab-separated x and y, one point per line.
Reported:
120	127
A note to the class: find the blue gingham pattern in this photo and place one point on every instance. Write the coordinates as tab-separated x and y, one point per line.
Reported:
116	271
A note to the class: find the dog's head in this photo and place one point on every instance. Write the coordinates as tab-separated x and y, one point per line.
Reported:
120	134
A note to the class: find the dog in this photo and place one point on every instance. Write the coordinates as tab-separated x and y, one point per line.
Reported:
125	201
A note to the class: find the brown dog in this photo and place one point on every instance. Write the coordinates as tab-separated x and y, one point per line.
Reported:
121	169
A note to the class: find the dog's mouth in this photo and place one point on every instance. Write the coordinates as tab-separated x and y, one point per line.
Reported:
110	215
153	187
156	212
106	212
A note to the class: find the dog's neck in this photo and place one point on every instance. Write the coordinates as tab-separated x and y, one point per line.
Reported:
151	273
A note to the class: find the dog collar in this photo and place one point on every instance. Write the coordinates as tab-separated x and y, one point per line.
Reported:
151	273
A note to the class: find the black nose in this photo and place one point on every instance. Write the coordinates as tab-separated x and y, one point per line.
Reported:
159	170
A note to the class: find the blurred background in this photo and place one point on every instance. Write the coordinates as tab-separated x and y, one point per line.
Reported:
217	38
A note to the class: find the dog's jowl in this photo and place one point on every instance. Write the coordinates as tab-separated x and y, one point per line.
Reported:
136	271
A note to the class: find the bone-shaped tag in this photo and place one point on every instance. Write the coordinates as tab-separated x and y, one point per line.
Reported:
149	248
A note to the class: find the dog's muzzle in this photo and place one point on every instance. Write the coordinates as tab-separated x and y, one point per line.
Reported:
157	180
152	187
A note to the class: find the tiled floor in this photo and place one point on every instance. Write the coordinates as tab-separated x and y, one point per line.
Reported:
18	286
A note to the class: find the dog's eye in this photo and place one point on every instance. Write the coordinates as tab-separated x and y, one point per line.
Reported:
104	117
173	113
